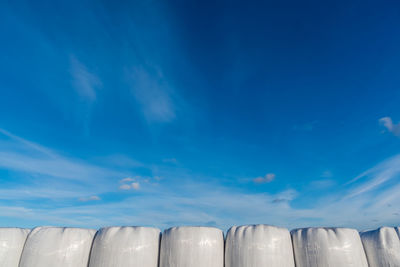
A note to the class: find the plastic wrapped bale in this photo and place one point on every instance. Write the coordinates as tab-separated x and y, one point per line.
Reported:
382	247
335	247
12	242
57	247
258	245
125	247
192	247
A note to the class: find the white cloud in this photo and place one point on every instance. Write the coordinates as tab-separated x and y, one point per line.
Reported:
135	186
390	127
269	177
153	94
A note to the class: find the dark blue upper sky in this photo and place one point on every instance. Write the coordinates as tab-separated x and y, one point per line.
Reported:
199	112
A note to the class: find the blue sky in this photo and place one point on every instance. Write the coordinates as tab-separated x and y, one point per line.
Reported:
217	113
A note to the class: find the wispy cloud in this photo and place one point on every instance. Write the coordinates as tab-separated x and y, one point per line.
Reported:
91	198
199	207
22	156
26	143
153	94
269	177
285	196
197	203
135	185
127	180
322	184
84	82
327	174
377	176
52	191
181	197
170	160
125	187
390	126
57	167
121	161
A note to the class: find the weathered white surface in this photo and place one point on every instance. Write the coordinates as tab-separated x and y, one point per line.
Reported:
257	246
382	247
125	247
57	247
328	247
192	247
12	242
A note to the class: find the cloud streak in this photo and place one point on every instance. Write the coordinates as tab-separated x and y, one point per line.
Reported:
28	158
91	198
84	82
76	196
153	94
376	176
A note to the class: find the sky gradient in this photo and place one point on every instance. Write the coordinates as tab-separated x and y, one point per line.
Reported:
217	113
